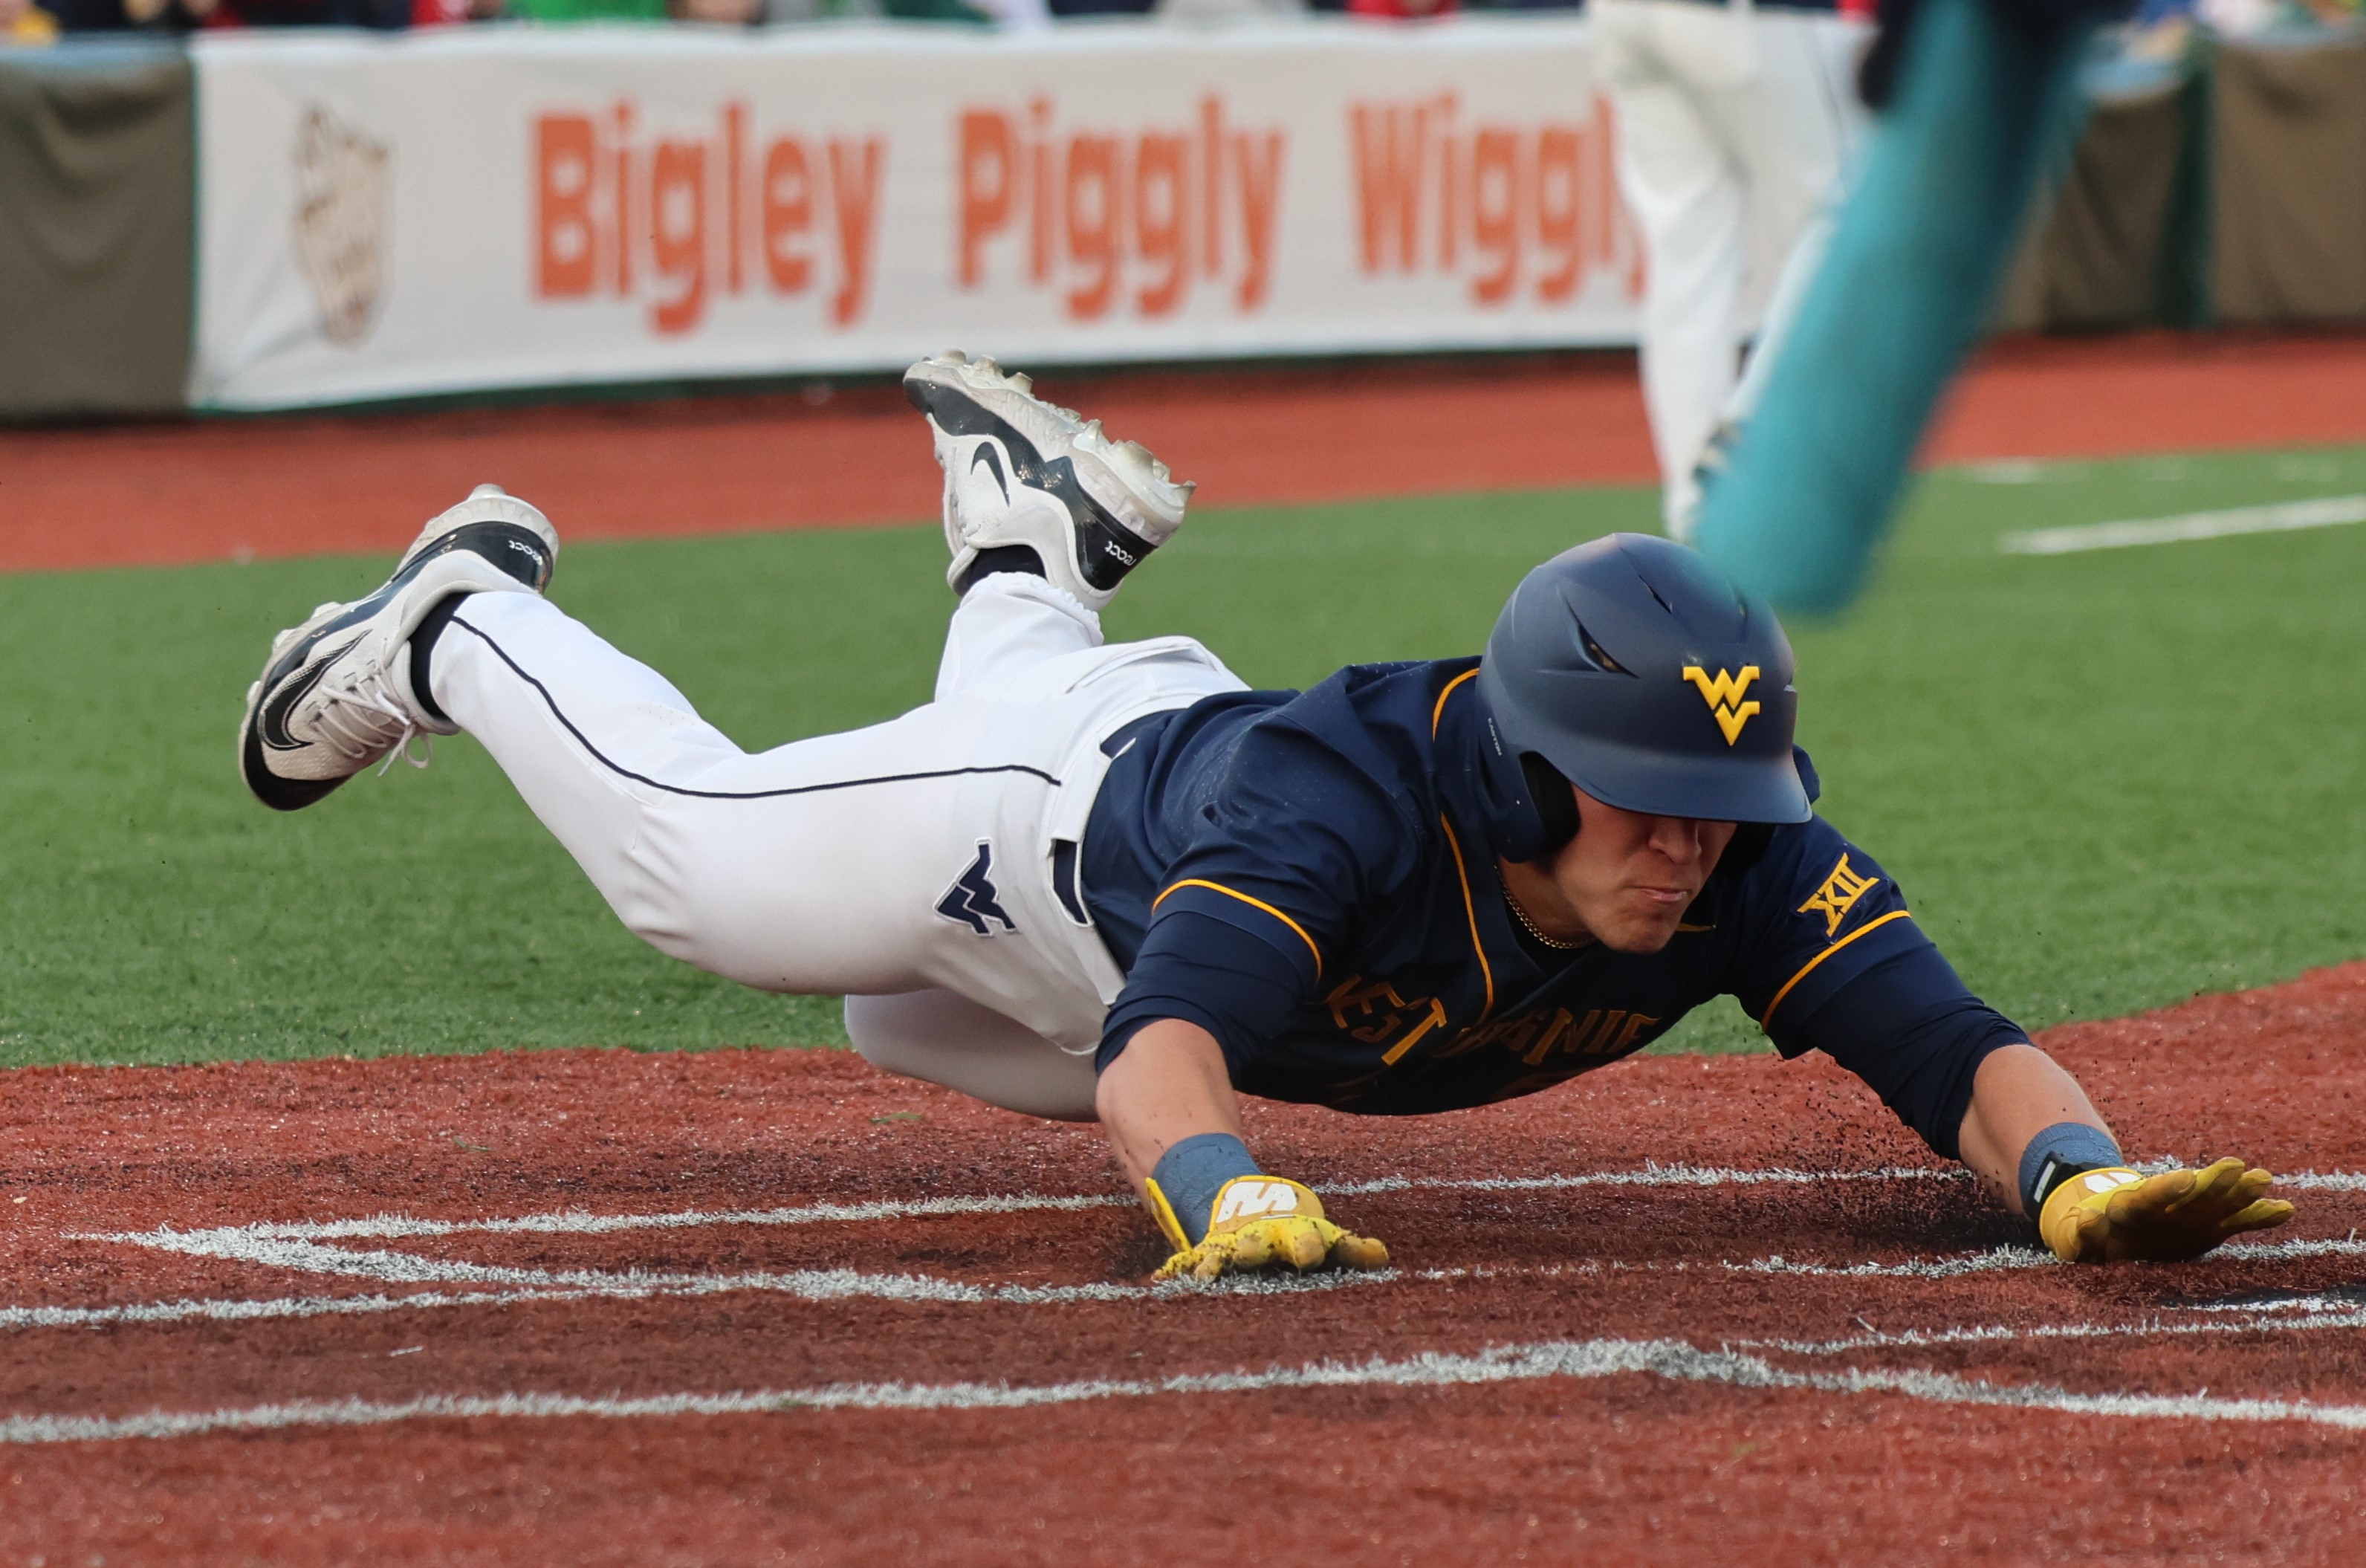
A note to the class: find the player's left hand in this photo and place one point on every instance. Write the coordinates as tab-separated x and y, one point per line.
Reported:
2120	1215
1260	1221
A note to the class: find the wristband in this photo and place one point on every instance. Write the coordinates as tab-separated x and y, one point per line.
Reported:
2058	1154
1192	1173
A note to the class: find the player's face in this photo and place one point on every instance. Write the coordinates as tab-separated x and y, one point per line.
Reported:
1629	878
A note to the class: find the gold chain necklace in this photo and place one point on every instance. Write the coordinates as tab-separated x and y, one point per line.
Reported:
1530	926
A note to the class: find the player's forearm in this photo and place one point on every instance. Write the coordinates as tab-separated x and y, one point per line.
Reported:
2018	1092
1170	1086
1170	1083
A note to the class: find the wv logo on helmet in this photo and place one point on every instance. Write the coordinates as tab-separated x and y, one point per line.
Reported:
1723	695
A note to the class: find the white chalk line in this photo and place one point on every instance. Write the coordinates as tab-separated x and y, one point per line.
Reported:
817	1285
1650	1176
2326	512
2262	1319
1672	1359
812	1284
2010	1257
575	1222
293	1247
888	1287
512	1286
2325	1181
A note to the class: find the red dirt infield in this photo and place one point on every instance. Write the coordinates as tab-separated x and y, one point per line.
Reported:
773	1306
222	490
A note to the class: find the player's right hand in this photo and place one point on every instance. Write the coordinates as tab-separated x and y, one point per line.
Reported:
1261	1221
2118	1215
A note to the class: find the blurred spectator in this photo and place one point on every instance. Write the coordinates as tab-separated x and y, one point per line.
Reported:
175	15
111	16
935	10
588	10
817	11
383	15
1011	14
2252	18
1400	9
1225	10
22	22
443	13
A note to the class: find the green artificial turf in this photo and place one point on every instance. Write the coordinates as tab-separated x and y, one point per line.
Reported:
2108	780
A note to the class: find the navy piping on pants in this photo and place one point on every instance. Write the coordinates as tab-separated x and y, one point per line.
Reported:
612	767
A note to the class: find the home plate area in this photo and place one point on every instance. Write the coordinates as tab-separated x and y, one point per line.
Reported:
774	1306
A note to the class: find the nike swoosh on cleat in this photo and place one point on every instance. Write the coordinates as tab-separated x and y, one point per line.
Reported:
274	721
957	413
993	460
294	655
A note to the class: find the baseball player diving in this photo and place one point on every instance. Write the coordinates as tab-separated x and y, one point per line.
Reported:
1105	882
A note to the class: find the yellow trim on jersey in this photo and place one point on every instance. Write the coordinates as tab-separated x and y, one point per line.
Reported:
1470	909
1256	903
1810	965
1437	714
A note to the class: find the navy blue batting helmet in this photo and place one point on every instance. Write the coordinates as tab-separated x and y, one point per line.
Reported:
1645	678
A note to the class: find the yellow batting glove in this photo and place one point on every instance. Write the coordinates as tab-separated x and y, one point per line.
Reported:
2118	1216
1258	1222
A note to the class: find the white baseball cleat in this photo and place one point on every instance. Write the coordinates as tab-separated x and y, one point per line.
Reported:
1019	471
336	693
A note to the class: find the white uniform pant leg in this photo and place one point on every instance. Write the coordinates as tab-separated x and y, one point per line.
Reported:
1812	60
941	1037
1685	190
813	867
853	863
1011	627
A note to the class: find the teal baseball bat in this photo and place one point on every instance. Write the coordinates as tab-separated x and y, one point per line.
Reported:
1983	106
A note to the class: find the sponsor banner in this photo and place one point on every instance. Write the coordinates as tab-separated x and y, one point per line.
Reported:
513	206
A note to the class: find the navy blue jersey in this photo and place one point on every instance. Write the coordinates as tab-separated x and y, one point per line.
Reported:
1307	877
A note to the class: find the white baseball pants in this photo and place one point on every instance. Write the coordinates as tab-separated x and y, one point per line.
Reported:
907	866
1736	126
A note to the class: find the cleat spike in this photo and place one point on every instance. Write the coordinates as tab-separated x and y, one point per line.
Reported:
1020	383
981	363
952	357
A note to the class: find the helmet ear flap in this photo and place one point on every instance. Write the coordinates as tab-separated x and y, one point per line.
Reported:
1556	805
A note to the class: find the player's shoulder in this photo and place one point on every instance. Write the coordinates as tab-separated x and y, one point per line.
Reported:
1406	694
1383	719
1802	851
1353	747
1812	872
